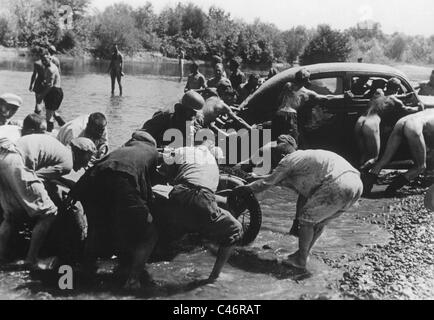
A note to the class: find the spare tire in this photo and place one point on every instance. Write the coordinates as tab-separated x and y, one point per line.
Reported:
251	218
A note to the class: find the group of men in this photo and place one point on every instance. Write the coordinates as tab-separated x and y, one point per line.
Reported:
116	187
233	89
31	161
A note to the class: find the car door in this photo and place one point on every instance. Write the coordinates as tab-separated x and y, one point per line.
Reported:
320	123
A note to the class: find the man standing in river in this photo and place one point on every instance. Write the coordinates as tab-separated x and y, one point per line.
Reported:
115	69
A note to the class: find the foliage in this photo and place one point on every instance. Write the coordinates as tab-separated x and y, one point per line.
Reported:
327	46
35	24
116	25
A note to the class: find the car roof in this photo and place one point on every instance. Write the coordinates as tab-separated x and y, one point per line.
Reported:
350	67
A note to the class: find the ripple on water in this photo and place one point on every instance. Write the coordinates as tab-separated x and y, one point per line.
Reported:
89	92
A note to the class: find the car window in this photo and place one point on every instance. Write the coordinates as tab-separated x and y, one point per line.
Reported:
364	86
327	86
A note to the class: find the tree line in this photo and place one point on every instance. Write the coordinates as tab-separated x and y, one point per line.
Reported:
201	34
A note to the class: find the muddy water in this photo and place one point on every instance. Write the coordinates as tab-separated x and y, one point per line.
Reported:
255	272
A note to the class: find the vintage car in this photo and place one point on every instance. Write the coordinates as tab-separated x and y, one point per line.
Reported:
330	125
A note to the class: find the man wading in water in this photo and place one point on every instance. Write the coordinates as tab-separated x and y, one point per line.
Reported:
327	186
51	93
115	69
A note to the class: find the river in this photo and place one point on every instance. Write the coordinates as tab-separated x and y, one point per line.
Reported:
254	272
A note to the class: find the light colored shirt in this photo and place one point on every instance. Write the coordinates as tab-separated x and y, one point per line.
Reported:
305	170
45	155
10	133
76	129
197	166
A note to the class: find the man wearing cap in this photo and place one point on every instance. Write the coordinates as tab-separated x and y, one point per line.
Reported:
196	80
218	76
25	166
116	194
327	186
93	126
183	119
9	105
427	89
237	76
116	69
194	172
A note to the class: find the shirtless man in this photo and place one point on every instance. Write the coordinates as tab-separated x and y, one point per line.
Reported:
418	130
52	93
384	110
36	84
196	80
115	69
215	108
294	97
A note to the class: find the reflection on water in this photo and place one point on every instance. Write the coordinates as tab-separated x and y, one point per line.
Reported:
147	88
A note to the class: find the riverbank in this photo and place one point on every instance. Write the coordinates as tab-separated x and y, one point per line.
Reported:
139	57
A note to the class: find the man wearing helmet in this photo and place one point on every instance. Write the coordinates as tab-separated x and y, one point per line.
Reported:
183	119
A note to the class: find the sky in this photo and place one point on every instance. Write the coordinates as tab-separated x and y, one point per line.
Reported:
412	17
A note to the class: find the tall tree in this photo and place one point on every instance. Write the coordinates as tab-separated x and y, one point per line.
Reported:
326	46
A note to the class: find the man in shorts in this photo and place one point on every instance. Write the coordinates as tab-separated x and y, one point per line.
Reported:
116	69
327	186
52	93
195	175
36	81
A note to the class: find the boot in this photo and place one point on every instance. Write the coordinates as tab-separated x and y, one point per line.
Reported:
396	184
50	126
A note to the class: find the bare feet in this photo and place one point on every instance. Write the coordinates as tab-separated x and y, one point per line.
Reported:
295	261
